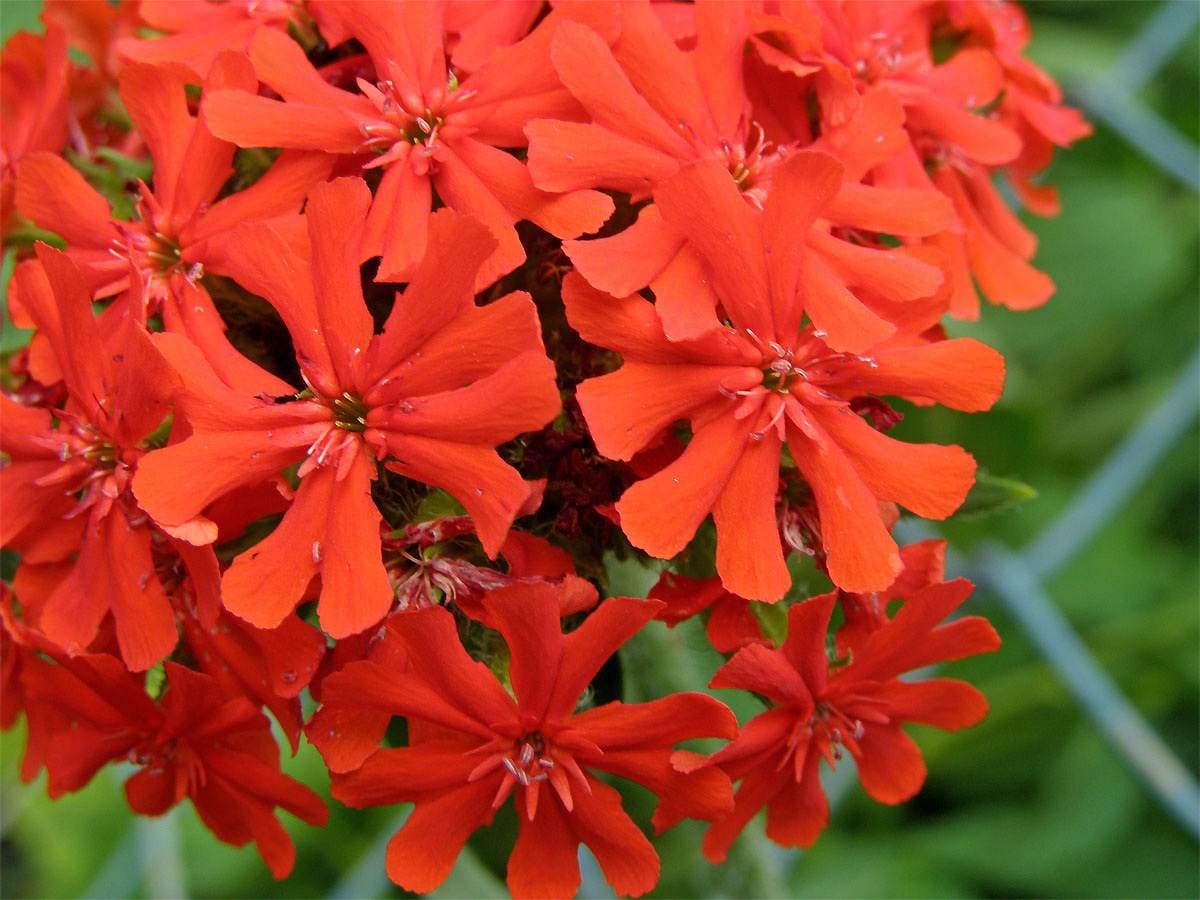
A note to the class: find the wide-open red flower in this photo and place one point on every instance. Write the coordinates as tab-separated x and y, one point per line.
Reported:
431	396
423	566
822	708
419	125
472	744
182	220
183	225
767	377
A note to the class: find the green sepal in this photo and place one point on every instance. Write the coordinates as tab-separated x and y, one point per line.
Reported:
9	560
156	679
158	438
773	618
992	494
255	532
438	504
699	558
12	338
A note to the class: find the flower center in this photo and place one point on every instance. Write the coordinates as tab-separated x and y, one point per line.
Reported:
529	762
349	413
405	118
422	129
101	454
838	729
420	580
165	252
155	254
163	750
91	464
781	371
881	56
751	162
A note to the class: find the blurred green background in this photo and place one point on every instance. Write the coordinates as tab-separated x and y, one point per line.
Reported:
1033	802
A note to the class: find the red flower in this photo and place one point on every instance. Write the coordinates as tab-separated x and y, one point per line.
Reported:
119	386
271	667
424	130
764	378
472	744
820	708
476	30
196	32
182	226
955	139
432	396
197	742
154	262
22	649
95	29
1031	103
655	109
34	72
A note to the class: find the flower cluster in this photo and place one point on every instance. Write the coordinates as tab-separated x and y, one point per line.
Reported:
364	332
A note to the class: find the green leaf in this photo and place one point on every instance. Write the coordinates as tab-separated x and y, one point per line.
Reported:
807	579
20	15
470	878
126	166
107	178
249	165
628	577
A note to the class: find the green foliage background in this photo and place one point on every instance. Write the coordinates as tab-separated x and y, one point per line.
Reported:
1032	802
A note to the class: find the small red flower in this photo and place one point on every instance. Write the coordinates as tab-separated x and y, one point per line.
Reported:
152	264
198	742
655	109
820	708
924	566
80	468
195	32
34	73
